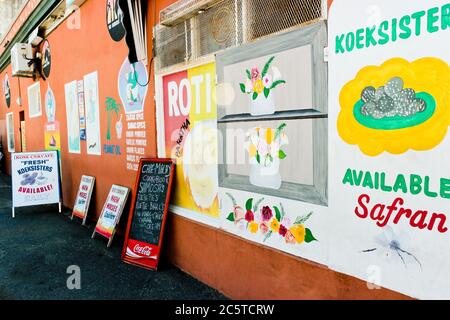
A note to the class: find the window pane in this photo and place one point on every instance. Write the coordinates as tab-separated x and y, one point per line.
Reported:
297	167
294	66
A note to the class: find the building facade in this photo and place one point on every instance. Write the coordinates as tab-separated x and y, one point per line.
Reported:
249	98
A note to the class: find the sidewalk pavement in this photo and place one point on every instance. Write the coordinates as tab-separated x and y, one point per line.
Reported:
38	246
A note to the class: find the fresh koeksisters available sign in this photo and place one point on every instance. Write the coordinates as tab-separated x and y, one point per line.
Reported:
389	118
35	178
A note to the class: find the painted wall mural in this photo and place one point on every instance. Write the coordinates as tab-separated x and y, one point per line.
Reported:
260	86
389	113
91	99
287	225
132	86
52	127
190	131
73	122
264	147
82	113
7	90
391	105
34	100
114	126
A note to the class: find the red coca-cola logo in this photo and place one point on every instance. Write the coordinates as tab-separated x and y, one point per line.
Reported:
145	251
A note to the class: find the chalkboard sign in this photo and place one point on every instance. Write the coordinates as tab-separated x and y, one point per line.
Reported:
149	206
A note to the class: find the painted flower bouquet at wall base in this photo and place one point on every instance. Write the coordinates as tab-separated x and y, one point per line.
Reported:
265	154
270	221
259	86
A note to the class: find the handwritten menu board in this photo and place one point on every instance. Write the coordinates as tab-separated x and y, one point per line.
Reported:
149	206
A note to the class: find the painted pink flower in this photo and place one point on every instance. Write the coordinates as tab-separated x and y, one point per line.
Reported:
263	148
264	227
249	216
289	238
282	231
255	74
266	213
267	81
239	214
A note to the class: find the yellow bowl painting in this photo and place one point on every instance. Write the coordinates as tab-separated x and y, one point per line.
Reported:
427	75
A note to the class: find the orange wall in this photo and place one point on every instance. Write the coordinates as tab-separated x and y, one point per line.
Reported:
75	53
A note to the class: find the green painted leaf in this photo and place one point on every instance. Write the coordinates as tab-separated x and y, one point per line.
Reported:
303	219
266	92
279	129
281	154
242	87
267	66
256	205
231	217
267	236
249	204
309	236
258	158
255	95
277	213
249	74
277	83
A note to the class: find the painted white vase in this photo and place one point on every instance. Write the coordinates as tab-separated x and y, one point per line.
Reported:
266	176
262	105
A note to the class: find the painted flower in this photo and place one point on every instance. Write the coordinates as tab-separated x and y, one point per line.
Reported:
264	228
255	74
239	214
289	238
258	86
282	231
263	148
249	216
299	233
274	225
287	221
266	213
248	86
276	74
268	81
253	227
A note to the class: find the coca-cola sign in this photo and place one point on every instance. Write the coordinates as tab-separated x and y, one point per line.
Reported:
145	251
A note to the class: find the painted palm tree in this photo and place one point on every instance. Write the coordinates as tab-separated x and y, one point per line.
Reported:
111	107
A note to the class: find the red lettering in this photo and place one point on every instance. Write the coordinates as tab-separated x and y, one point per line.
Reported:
361	204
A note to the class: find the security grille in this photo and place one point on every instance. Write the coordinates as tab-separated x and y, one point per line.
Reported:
195	28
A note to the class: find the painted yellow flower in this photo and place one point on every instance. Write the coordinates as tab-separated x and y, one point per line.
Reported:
270	135
299	233
258	86
252	150
253	227
274	225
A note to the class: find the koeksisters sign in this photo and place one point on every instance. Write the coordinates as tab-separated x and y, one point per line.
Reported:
389	111
35	179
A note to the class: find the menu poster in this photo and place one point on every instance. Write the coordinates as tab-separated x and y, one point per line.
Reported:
111	212
81	207
145	229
